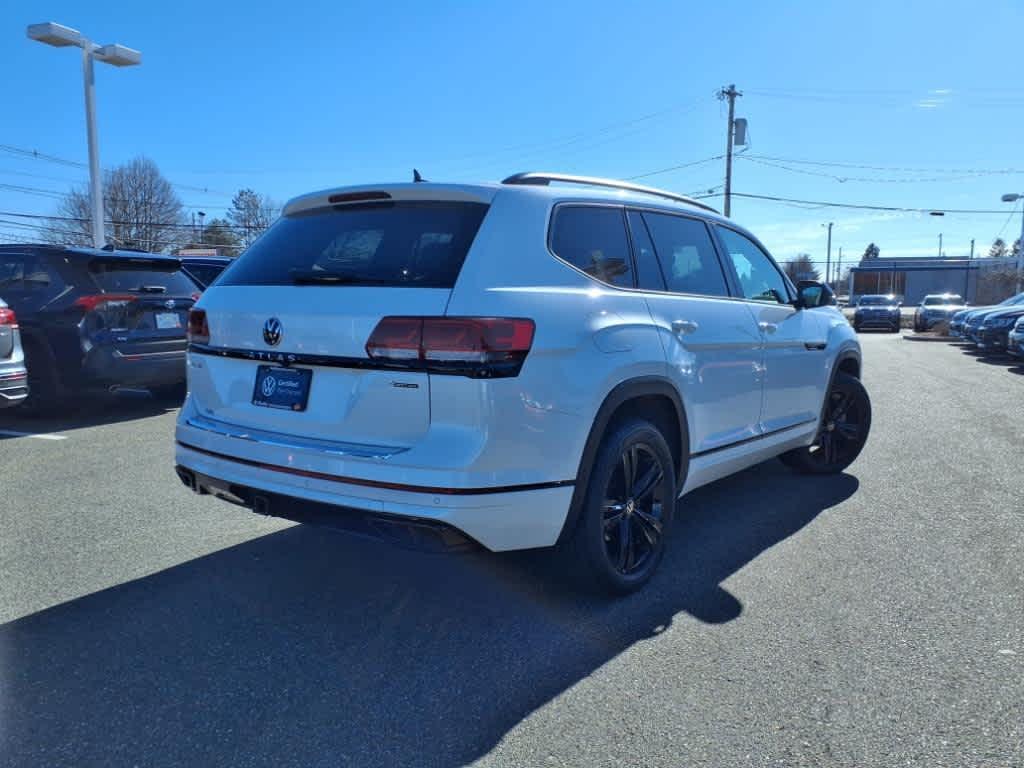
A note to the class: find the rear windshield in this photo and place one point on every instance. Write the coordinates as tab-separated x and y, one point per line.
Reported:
124	276
937	301
400	244
868	301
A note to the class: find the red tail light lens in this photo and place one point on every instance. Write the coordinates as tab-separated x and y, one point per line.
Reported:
90	303
474	346
396	338
7	317
198	329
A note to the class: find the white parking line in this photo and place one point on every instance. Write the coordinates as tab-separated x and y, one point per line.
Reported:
10	433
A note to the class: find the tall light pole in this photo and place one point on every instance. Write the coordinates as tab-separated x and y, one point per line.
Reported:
940	245
1013	197
828	254
60	36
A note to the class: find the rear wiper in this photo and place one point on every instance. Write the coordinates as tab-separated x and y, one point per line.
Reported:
313	277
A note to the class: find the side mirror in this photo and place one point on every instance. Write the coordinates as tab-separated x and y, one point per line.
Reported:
811	294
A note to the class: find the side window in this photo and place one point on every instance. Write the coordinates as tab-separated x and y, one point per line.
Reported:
648	273
593	239
686	254
759	278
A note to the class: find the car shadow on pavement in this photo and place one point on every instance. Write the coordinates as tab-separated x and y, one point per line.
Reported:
308	647
83	412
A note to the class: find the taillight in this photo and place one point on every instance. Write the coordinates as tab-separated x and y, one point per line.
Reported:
89	303
7	317
472	346
198	329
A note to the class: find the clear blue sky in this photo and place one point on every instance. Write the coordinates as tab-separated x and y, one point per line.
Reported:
289	97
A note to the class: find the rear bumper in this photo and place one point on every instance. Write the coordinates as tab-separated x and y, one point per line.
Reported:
499	519
13	385
156	367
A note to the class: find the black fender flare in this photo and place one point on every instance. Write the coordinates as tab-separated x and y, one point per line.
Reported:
642	386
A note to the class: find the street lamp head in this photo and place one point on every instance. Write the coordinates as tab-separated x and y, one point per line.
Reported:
1011	197
54	34
118	55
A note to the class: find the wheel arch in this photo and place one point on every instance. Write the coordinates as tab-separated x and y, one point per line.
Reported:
652	397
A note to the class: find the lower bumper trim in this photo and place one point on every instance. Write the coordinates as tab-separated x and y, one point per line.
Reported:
411	532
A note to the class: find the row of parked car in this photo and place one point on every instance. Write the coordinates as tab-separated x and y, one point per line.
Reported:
997	329
75	320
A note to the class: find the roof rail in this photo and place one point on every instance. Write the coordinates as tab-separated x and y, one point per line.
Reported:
543	179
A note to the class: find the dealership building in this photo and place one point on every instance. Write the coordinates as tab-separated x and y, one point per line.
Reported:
912	278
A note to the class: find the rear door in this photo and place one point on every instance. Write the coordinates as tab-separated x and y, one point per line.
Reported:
795	362
308	294
711	341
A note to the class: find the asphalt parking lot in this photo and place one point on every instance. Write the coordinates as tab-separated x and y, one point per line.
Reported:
874	618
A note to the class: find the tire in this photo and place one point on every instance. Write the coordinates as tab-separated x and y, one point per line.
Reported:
620	537
856	328
45	393
845	425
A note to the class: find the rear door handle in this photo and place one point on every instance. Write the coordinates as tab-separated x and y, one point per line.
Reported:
683	327
768	327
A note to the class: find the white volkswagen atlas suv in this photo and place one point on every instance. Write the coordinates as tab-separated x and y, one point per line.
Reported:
549	360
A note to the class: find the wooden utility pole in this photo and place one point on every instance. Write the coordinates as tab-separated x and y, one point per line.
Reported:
729	93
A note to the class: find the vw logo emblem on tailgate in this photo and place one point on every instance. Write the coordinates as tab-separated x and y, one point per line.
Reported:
272	331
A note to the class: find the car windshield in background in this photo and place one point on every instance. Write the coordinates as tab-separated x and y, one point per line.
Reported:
122	275
939	301
875	301
413	244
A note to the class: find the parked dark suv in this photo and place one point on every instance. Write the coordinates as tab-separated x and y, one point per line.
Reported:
97	319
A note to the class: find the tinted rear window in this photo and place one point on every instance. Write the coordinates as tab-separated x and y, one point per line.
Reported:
124	276
593	239
400	244
876	301
937	301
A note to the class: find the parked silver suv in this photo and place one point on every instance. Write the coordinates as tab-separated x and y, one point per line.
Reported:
549	360
13	376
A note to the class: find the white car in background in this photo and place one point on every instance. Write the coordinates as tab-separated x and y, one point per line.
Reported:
13	376
520	364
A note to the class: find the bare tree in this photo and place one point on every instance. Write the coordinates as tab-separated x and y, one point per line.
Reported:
998	248
801	268
142	211
251	214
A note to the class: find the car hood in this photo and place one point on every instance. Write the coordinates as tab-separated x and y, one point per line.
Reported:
1005	312
876	307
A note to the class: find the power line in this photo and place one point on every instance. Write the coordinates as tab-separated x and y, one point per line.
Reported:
674	168
168	225
844	179
856	206
36	155
865	167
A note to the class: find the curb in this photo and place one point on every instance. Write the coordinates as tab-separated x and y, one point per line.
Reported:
915	337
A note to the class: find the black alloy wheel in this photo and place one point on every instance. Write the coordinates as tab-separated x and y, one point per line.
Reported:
633	510
842	433
626	512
